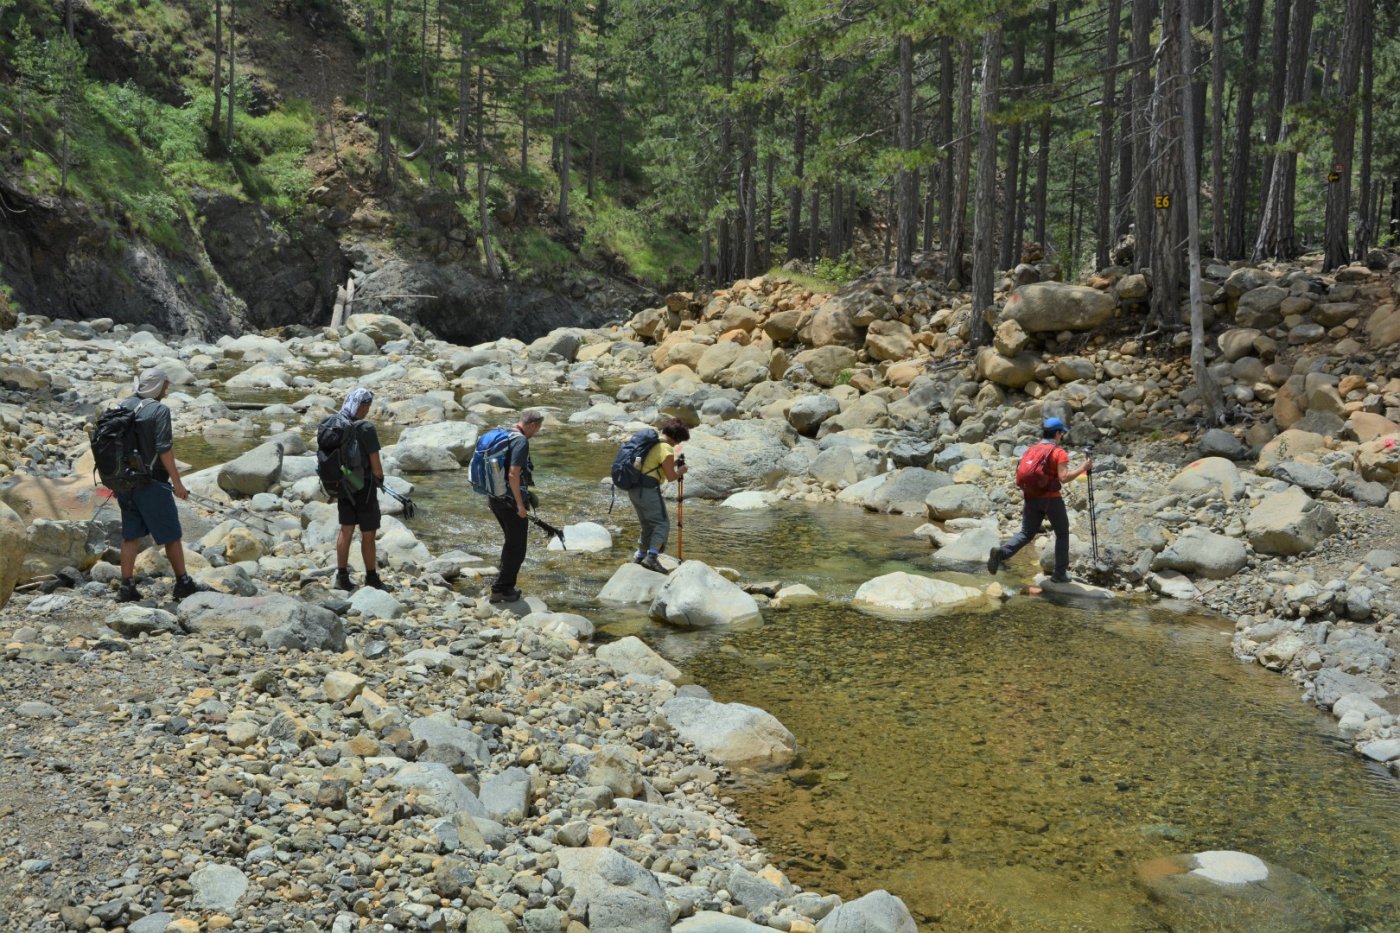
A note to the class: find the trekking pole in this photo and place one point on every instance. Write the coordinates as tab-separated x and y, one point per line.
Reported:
1093	523
680	518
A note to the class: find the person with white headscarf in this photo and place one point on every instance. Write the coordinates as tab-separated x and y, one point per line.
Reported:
150	509
359	509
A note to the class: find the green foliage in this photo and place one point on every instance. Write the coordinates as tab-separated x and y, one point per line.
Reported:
812	283
533	256
844	377
650	248
841	271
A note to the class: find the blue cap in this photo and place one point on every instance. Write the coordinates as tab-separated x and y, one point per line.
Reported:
1055	424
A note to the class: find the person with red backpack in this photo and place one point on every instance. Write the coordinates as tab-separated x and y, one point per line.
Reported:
1043	469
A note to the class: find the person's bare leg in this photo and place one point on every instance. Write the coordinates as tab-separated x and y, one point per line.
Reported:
129	549
367	551
175	553
342	546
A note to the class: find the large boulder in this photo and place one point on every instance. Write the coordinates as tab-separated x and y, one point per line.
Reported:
1259	308
1378	460
889	340
275	621
583	538
735	455
1202	553
905	594
13	544
731	733
1225	890
966	552
1053	306
253	472
631	584
448	742
631	655
611	892
562	344
381	328
830	325
876	912
826	364
959	500
900	492
50	546
437	790
696	596
1209	473
808	412
457	437
1011	372
1289	522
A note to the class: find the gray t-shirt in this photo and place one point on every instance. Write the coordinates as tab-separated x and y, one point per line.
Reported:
153	433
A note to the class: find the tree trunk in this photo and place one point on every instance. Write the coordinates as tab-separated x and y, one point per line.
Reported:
1337	244
945	125
483	163
1278	85
984	221
563	107
1276	236
386	134
1365	217
836	236
799	157
1217	128
814	233
768	167
232	73
1013	155
1170	157
1143	220
907	206
1205	382
1042	168
1103	234
216	125
956	234
464	71
1236	215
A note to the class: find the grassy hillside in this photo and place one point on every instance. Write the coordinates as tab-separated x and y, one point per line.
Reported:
120	120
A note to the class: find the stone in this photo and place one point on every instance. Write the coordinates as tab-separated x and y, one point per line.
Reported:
1172	585
1203	553
900	492
562	344
612	892
736	455
889	340
560	625
1051	307
139	620
583	538
1258	308
826	364
967	552
1309	476
1382	750
830	325
959	500
1013	373
809	411
749	501
695	596
240	544
275	620
218	887
712	921
506	795
342	686
619	769
1236	891
1377	460
1220	443
631	584
631	655
253	472
437	790
456	437
418	458
449	743
731	734
381	328
877	912
13	546
1208	473
903	594
1288	523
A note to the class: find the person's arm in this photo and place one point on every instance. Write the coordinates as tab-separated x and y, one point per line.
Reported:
673	472
513	478
376	468
167	459
1068	476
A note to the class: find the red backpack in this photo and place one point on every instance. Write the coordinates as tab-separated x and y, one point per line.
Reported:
1036	474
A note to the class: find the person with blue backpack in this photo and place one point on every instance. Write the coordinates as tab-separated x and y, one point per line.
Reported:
502	471
641	467
348	462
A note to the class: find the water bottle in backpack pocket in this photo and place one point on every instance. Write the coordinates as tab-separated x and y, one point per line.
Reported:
490	463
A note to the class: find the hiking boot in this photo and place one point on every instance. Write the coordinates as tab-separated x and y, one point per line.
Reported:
372	579
1061	578
185	586
652	562
503	596
638	557
342	580
127	592
994	560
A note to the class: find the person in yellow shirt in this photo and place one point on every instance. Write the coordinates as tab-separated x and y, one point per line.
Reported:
660	464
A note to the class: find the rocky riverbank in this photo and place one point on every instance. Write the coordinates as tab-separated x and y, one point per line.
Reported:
277	753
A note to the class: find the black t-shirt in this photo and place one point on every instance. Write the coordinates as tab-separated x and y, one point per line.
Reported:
154	435
369	441
520	457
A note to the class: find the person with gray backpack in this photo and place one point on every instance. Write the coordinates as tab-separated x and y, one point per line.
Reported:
347	461
641	466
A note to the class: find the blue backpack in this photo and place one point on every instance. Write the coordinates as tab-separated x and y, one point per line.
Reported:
627	465
490	463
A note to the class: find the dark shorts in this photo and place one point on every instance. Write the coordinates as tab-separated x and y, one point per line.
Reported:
364	512
150	511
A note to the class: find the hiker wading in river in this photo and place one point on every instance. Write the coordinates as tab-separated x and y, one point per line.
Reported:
511	509
1043	469
659	465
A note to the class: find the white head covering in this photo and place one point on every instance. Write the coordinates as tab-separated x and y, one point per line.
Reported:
358	396
151	382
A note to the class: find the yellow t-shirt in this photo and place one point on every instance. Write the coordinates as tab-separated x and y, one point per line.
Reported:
651	464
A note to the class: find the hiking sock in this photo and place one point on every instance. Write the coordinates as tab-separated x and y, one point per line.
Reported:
638	557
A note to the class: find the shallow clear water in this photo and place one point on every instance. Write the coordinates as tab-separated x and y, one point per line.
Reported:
1003	769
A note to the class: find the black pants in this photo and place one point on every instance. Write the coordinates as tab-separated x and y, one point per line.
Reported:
513	550
1033	516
